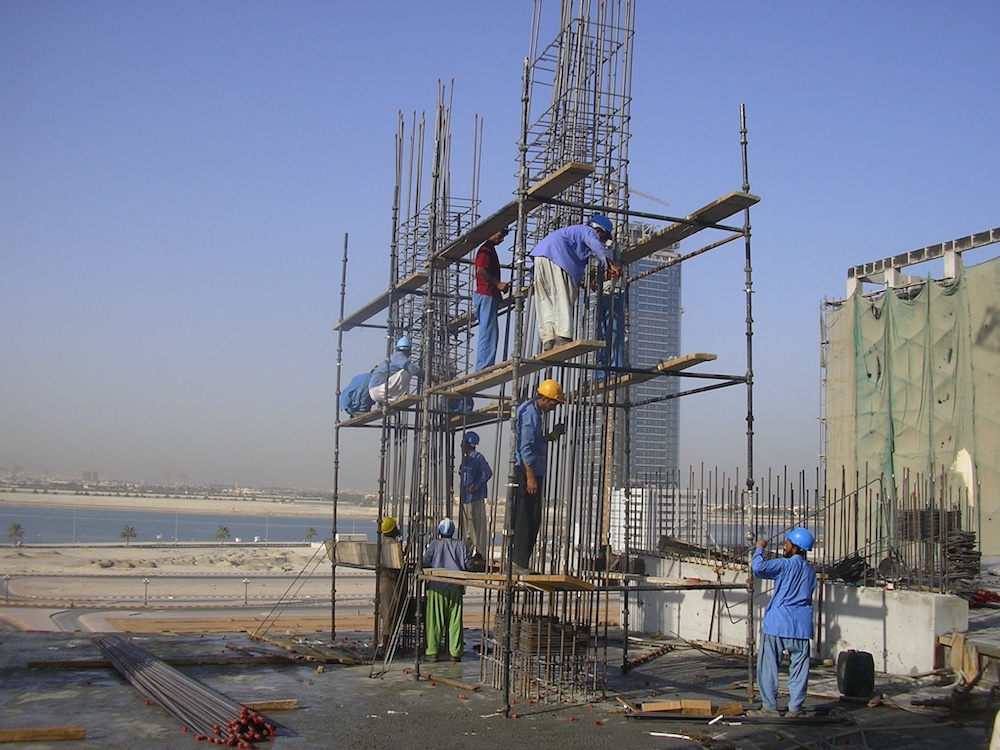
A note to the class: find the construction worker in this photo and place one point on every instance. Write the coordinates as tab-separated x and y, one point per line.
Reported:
529	470
391	380
444	600
788	621
476	474
486	299
561	259
390	592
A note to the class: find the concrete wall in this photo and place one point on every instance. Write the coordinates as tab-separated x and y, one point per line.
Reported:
899	628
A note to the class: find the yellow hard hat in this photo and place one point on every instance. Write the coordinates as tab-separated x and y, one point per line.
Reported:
388	525
551	389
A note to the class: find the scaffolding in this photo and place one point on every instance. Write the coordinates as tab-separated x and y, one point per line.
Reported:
544	634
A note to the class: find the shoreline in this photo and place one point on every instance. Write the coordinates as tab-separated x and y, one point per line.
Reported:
185	505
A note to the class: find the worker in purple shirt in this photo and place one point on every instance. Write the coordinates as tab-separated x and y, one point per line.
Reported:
788	620
444	600
561	260
530	464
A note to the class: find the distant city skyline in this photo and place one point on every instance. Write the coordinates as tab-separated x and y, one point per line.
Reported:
176	183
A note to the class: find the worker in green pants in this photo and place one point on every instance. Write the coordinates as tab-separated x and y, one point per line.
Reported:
444	600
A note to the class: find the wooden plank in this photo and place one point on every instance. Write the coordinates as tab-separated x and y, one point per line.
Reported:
549	187
550	584
410	284
545	582
634	378
365	554
450	681
402	404
38	734
682	363
482	380
492	413
275	705
703	218
308	652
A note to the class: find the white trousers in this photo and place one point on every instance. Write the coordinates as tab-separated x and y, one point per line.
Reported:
555	301
472	519
397	386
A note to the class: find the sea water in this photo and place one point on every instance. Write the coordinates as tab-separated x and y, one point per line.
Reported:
63	525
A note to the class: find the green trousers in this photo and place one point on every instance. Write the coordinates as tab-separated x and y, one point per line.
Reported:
444	611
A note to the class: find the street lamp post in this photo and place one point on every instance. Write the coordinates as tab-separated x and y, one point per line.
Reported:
145	592
6	589
246	591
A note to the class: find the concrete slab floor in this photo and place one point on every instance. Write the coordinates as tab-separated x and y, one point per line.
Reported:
343	707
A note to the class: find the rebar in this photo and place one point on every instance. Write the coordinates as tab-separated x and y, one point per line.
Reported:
207	714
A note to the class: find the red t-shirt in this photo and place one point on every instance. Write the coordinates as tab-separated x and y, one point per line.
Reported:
487	258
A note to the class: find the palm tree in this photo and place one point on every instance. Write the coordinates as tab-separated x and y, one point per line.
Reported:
310	533
222	534
127	533
15	533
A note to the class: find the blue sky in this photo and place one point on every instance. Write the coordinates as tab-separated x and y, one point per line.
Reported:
176	179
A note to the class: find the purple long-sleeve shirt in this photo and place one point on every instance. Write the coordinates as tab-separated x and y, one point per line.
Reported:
571	248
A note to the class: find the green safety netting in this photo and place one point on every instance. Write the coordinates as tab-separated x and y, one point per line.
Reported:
913	385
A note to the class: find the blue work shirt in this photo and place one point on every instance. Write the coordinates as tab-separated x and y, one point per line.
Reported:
789	614
530	435
475	473
398	361
571	248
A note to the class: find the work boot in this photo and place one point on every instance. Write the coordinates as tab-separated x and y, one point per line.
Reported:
546	345
560	340
764	713
794	713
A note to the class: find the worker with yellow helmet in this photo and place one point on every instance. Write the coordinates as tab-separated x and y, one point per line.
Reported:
390	587
530	464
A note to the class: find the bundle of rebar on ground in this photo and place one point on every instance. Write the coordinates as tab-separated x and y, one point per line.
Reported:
210	716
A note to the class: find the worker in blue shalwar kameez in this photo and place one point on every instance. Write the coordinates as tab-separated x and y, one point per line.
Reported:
530	464
444	600
476	475
788	621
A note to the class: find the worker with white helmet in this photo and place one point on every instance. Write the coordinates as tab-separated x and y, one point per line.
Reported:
444	600
561	259
530	464
391	379
788	620
476	474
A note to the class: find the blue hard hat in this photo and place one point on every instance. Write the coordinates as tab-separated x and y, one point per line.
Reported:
471	438
801	538
403	343
446	527
599	221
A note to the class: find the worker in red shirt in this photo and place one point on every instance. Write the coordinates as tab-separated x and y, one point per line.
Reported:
486	299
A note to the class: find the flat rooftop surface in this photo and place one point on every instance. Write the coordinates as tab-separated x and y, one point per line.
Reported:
53	679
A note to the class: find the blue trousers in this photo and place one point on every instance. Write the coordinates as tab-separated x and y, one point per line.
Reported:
486	307
768	659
